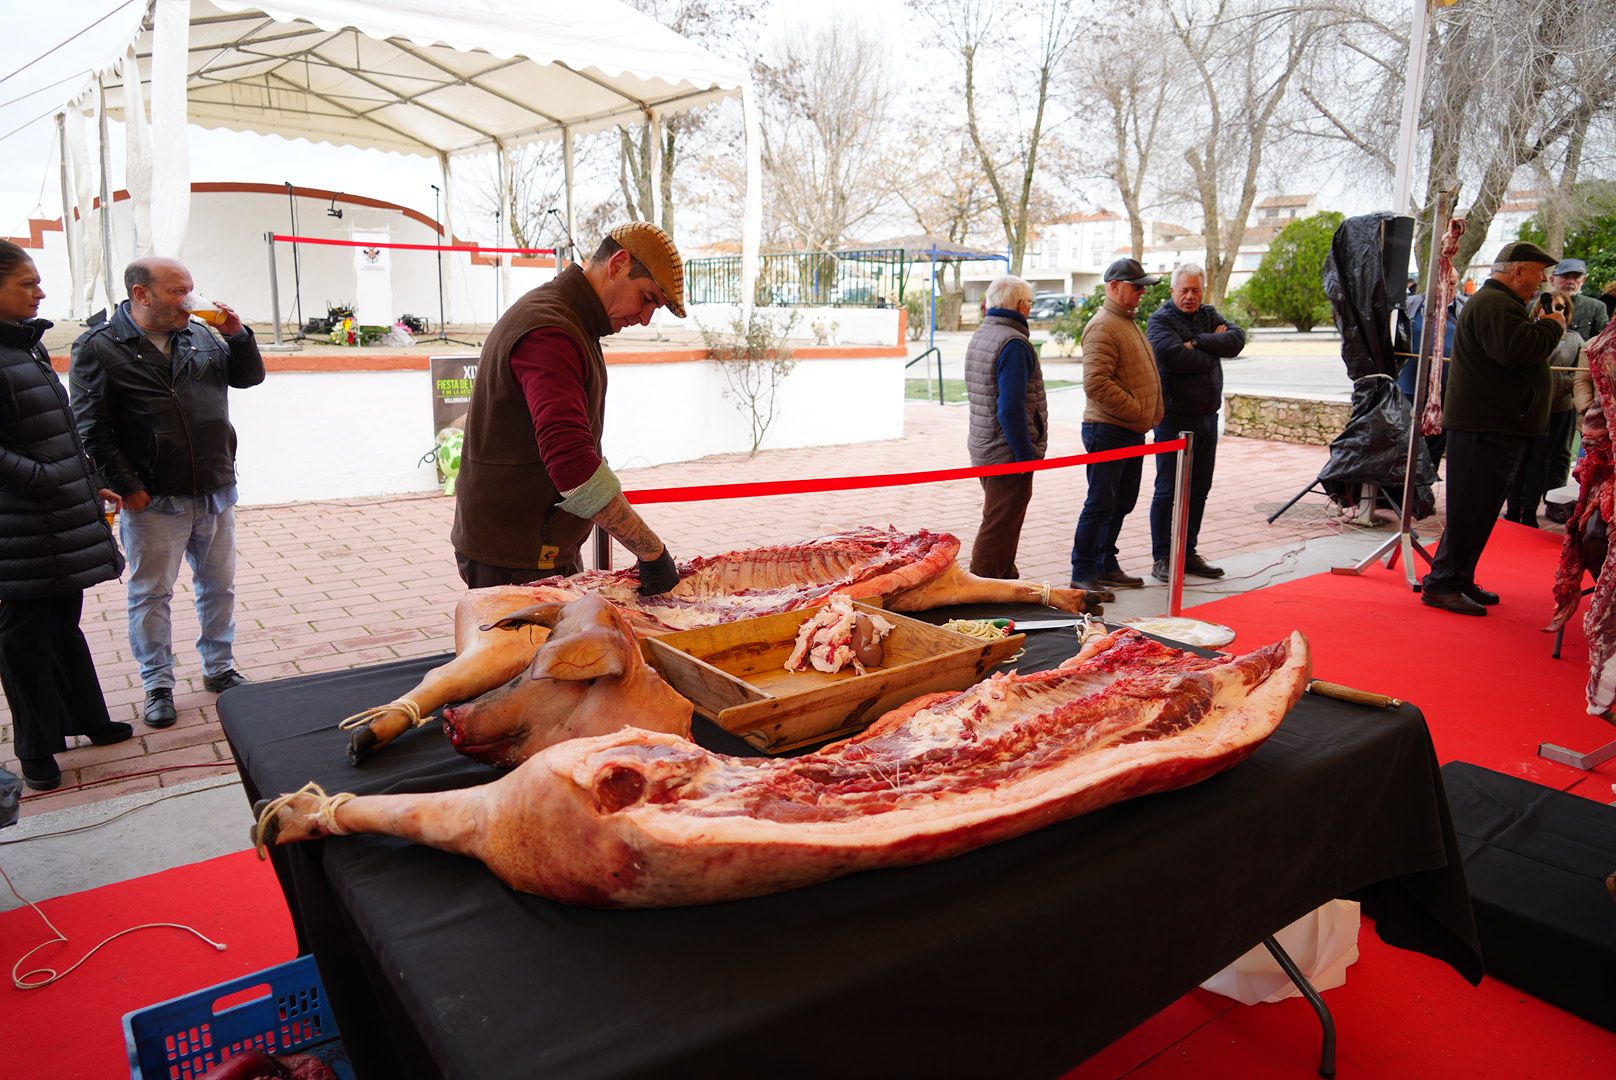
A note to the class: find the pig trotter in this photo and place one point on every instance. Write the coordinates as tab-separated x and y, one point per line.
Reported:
375	728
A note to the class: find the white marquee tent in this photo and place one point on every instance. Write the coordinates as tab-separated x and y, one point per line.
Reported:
416	76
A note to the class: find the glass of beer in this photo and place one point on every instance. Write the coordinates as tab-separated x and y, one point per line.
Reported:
202	308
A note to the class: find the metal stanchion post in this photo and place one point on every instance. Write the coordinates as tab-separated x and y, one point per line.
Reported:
275	300
603	549
1181	525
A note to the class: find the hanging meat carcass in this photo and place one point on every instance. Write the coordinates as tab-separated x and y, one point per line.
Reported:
911	571
638	819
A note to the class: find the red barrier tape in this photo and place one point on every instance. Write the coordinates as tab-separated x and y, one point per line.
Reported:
473	248
849	483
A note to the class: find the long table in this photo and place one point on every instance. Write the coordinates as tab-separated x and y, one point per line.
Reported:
1020	959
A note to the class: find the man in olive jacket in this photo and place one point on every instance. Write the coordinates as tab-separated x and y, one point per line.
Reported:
1497	401
1124	401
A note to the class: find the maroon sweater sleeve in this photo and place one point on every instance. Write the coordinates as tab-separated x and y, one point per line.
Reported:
550	368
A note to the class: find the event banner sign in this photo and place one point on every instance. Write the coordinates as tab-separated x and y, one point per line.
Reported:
452	379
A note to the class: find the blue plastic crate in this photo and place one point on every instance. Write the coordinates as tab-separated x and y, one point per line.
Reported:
185	1037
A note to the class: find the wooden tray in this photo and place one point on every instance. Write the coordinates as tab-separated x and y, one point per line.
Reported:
735	675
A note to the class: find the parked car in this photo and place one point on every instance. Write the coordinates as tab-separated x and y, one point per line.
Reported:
1051	306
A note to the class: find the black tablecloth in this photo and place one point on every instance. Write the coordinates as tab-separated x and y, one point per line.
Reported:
1020	959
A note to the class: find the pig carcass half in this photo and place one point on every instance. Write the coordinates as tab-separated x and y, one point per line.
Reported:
640	819
911	571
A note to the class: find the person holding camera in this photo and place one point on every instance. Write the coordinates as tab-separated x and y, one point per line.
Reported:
1497	402
1550	453
56	543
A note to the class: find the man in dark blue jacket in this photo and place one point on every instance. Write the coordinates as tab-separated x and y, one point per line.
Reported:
1009	421
1191	341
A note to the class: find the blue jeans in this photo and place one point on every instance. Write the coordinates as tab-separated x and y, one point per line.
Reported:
154	542
1204	426
1113	490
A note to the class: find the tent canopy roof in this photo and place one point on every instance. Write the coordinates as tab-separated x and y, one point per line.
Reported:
922	247
423	77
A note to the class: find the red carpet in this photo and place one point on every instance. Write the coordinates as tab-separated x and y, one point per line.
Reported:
1488	689
1490	693
73	1029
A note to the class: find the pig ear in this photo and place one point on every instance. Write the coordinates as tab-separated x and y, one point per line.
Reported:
537	615
590	655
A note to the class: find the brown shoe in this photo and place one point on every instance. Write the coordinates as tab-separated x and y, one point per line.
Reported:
1458	603
1118	579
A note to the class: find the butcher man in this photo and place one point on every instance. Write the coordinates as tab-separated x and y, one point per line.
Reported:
1497	401
532	479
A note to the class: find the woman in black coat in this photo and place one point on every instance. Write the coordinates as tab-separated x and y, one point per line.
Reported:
54	543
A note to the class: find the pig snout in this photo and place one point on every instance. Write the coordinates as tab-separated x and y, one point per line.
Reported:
497	727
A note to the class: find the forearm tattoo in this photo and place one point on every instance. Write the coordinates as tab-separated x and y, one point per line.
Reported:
629	529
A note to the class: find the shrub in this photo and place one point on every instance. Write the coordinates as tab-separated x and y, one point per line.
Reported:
1289	283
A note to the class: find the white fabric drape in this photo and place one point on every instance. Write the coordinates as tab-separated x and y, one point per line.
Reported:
86	237
138	161
171	170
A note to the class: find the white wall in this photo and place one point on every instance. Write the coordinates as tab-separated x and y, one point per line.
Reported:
352	434
226	253
854	325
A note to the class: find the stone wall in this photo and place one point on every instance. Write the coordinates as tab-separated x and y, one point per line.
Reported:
1314	421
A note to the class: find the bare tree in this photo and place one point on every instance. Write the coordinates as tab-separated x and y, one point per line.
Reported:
1125	82
1512	87
1008	122
943	189
724	26
825	97
1242	58
525	190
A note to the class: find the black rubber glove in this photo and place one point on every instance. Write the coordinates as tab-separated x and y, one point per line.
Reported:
659	575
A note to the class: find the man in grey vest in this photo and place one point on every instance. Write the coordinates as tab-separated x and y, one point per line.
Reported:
532	478
1009	421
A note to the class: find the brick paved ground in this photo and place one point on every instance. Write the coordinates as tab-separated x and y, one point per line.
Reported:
332	585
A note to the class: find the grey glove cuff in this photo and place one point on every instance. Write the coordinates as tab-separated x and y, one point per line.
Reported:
593	495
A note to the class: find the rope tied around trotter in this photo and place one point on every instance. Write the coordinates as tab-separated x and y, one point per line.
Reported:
1043	595
326	812
404	705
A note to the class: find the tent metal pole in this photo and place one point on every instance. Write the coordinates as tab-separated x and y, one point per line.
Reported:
70	225
566	166
106	190
1422	381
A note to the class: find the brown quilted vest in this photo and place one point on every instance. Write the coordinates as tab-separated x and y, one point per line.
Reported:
505	512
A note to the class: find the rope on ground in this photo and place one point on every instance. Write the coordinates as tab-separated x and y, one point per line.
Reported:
27	980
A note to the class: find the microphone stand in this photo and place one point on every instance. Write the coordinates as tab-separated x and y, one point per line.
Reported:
443	329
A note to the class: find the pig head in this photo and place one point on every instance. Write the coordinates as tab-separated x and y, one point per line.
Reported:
588	678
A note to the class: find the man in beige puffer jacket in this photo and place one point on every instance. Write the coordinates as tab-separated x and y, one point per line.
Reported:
1124	395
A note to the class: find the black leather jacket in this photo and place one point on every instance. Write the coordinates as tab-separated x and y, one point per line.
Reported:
154	424
53	540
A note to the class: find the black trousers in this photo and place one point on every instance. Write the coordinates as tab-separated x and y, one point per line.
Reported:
478	575
47	673
1004	508
1480	471
1548	457
1203	460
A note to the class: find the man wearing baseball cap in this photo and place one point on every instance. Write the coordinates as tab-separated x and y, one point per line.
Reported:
1588	315
1123	402
532	479
1497	402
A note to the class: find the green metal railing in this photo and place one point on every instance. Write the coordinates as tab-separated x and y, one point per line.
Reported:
870	278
